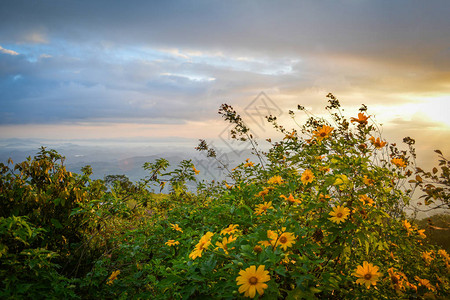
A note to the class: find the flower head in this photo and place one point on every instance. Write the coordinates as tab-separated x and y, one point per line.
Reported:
427	256
171	243
113	277
367	180
224	243
275	180
339	214
291	199
377	142
249	164
307	176
444	255
323	132
362	119
176	227
407	226
232	228
285	240
263	193
262	208
399	162
425	282
367	274
204	243
366	200
252	280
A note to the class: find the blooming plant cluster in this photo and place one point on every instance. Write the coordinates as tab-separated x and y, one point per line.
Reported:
321	215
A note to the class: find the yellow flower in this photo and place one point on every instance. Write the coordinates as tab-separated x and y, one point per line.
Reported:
172	243
176	227
399	162
425	282
263	193
228	186
421	233
427	256
249	164
324	198
367	181
368	274
252	280
113	277
262	208
397	279
366	200
339	214
230	229
204	243
362	119
275	180
285	240
290	199
407	226
307	176
224	244
323	132
444	254
195	170
290	136
377	143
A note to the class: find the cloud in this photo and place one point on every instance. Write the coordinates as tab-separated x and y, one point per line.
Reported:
7	51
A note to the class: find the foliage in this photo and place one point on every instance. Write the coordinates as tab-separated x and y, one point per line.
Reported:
320	215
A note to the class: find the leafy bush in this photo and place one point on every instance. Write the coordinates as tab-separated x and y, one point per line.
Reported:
320	215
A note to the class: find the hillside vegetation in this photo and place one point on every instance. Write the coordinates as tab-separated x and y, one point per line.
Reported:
321	215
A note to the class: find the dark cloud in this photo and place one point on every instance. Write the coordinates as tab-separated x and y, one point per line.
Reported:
173	61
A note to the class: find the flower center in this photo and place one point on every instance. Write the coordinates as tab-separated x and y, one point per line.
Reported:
283	239
253	280
367	276
339	215
323	134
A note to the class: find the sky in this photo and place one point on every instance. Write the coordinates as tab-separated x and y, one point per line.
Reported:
154	69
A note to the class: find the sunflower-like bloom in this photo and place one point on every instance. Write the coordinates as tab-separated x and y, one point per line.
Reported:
232	228
362	119
399	162
324	198
291	199
377	142
339	214
425	282
262	208
275	180
204	243
366	200
176	227
252	280
421	233
285	240
398	279
224	244
171	243
407	226
113	277
307	176
249	164
323	132
263	193
427	256
444	254
367	180
367	274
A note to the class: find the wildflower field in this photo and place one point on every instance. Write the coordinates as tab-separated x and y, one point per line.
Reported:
321	215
